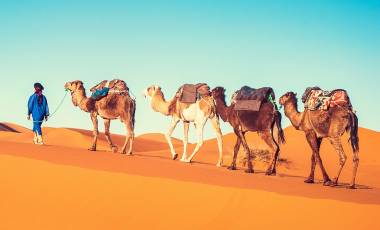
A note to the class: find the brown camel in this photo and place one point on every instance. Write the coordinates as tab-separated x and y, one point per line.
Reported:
262	121
319	124
198	112
113	106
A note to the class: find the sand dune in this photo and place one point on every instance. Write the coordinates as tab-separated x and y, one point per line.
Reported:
150	190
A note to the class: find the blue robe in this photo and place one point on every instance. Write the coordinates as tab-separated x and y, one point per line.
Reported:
39	112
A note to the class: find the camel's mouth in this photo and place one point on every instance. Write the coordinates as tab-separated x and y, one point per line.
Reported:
281	100
67	86
145	93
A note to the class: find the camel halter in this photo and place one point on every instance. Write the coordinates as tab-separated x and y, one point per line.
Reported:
56	109
277	108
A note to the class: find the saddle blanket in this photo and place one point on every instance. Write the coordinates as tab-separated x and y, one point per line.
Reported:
105	87
248	105
248	98
323	100
189	93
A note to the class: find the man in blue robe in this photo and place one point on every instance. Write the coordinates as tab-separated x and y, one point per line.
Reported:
39	109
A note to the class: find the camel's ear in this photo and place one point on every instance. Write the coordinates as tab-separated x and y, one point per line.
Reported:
156	87
79	85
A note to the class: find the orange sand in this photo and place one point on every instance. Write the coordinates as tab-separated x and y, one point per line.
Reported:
64	186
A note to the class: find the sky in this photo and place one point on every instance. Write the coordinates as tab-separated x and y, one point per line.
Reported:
287	45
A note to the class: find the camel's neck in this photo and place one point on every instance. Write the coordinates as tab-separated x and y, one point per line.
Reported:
292	113
222	108
80	99
159	104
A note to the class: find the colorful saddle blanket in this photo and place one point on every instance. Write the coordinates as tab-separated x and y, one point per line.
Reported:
318	99
248	98
105	87
189	93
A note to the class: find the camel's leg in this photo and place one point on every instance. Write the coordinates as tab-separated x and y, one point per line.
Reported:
199	126
168	135
129	137
274	148
185	140
336	143
216	126
107	123
94	119
313	162
315	144
354	169
236	151
247	151
310	179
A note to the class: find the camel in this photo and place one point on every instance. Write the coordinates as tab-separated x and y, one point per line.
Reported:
198	113
330	124
113	106
262	122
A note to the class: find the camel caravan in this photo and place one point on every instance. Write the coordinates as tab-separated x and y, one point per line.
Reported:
327	114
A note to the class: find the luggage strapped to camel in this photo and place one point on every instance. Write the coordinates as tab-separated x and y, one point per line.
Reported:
190	93
250	99
314	98
105	87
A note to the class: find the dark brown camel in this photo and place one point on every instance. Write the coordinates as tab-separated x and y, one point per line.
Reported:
319	124
262	121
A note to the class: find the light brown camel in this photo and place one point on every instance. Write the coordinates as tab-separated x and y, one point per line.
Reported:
262	122
113	106
198	112
319	124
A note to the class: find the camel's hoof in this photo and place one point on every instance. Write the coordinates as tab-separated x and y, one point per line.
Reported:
183	160
92	149
129	154
334	183
327	183
175	156
219	164
351	186
249	171
270	173
232	167
309	181
114	149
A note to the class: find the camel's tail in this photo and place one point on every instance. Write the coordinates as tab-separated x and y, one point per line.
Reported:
354	126
277	121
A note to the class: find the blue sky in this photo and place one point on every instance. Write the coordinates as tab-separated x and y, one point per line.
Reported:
288	45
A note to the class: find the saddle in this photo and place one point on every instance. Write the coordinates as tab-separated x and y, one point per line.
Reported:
314	98
189	93
105	87
250	99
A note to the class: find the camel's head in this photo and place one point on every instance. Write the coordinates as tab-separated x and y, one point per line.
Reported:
74	86
288	97
218	92
151	91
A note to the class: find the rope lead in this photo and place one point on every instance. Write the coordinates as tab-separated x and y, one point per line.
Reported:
58	107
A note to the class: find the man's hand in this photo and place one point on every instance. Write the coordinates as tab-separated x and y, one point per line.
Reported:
28	117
